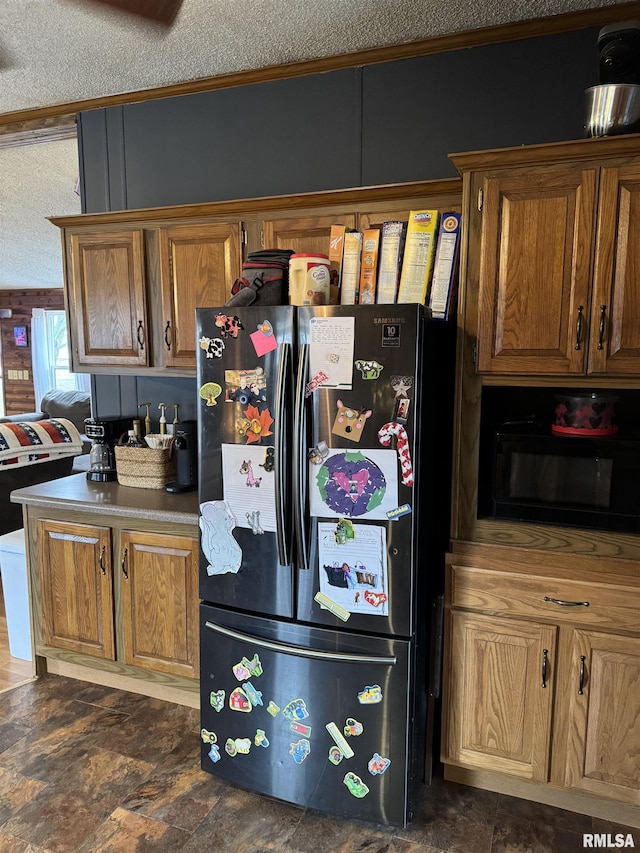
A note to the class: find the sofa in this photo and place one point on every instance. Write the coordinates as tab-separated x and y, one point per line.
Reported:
74	406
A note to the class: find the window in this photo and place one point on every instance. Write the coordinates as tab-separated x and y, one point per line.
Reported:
50	354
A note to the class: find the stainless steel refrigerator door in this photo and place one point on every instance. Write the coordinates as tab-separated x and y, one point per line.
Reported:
386	368
268	693
244	442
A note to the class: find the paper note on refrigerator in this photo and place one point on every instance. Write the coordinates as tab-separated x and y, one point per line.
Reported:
248	484
354	484
353	573
331	350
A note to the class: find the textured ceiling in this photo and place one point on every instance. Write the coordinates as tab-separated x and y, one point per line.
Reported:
61	51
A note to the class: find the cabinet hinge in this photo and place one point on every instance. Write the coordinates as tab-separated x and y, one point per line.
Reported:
475	353
480	198
243	236
261	238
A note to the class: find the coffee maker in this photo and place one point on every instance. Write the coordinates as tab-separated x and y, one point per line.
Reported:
104	434
185	454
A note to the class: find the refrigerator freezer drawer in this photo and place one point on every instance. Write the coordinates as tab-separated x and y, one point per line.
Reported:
308	715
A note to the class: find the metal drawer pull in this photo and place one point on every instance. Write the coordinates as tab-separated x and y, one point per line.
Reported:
101	560
566	603
545	652
124	560
579	327
581	678
166	335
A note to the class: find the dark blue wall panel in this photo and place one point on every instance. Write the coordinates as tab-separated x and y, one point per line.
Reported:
418	111
288	136
386	123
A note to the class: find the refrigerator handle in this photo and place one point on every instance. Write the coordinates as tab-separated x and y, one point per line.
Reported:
385	660
280	467
300	459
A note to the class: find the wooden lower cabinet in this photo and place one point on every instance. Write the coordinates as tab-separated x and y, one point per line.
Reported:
121	595
160	602
501	694
77	587
538	684
603	754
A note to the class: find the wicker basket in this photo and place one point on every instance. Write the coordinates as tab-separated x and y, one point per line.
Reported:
145	468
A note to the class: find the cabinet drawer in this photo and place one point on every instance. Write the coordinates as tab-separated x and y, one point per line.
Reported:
609	605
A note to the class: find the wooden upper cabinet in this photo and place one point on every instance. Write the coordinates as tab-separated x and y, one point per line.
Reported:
615	314
108	298
198	265
308	234
603	755
535	267
76	586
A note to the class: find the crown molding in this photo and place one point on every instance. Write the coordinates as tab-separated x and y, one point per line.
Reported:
10	122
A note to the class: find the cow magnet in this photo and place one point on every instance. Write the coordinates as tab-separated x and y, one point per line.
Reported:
213	347
369	369
229	326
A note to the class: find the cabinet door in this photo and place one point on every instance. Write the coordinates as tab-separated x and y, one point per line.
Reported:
198	265
535	271
108	298
499	712
615	314
304	233
603	755
76	587
160	602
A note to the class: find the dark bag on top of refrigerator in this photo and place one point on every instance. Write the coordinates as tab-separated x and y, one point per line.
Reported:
264	280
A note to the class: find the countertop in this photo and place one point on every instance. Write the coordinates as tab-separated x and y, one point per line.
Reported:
112	499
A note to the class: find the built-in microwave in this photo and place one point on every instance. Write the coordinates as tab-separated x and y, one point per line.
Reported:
588	482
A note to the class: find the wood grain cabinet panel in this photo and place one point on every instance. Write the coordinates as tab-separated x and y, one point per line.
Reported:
603	754
535	273
76	587
108	300
582	730
160	602
500	701
198	265
304	233
553	259
614	345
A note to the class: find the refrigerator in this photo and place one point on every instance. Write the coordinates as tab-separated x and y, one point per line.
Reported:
324	445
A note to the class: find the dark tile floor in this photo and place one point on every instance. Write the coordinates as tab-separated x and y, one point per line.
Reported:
87	769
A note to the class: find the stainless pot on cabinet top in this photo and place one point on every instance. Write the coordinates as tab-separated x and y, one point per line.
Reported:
612	108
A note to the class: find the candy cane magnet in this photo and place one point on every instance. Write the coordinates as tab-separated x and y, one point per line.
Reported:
402	446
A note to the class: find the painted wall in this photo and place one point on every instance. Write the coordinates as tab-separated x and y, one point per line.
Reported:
386	123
